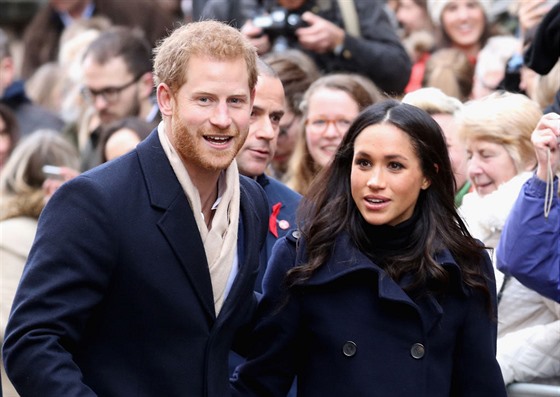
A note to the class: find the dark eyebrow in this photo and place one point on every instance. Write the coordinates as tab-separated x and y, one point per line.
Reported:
278	114
396	157
257	109
387	157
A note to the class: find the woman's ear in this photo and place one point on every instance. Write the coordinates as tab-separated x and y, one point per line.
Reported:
165	99
425	183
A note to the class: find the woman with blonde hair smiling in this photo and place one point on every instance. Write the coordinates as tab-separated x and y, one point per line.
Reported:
329	106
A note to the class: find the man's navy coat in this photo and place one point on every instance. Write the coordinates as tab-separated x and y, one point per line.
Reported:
116	297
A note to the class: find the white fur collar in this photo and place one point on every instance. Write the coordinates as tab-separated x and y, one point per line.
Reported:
487	215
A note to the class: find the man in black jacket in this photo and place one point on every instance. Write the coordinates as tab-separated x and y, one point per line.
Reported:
370	47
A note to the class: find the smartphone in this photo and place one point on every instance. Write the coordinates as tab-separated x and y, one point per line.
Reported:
52	171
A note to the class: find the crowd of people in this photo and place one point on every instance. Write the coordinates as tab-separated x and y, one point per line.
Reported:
280	198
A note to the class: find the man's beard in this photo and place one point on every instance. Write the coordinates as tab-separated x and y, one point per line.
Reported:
189	145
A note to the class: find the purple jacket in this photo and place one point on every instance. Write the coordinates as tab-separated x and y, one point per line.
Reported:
529	247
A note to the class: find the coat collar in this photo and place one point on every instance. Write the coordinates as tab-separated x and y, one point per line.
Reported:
347	258
178	225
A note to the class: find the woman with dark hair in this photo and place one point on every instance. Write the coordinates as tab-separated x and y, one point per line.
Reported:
382	292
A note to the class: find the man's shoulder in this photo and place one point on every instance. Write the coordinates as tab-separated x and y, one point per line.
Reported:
251	187
277	191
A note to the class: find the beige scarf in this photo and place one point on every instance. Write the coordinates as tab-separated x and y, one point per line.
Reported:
220	242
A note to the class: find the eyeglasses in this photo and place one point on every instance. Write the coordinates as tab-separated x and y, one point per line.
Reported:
321	124
109	94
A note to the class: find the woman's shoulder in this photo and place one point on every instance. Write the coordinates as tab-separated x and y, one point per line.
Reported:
18	234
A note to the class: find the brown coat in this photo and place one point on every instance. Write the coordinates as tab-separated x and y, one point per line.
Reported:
42	35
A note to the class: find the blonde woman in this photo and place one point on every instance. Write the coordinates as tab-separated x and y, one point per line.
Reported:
329	106
23	199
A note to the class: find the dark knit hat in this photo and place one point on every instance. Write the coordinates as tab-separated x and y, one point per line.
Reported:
544	51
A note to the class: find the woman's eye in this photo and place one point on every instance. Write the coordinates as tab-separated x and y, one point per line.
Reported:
319	123
362	163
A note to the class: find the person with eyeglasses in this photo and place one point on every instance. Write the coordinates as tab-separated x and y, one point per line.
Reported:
117	83
329	106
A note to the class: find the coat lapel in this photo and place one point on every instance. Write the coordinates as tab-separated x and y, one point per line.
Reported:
177	222
245	249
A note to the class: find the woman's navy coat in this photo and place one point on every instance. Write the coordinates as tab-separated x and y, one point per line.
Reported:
352	331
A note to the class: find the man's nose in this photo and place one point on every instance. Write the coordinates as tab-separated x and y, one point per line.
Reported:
221	117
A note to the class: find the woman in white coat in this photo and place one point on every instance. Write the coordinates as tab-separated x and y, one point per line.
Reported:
497	131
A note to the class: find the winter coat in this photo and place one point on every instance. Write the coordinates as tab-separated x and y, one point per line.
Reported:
351	330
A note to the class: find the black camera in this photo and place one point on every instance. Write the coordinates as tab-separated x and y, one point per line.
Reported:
280	24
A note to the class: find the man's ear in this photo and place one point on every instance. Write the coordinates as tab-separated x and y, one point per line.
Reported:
165	99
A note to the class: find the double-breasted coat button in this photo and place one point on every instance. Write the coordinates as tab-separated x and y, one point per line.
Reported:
417	351
349	349
296	234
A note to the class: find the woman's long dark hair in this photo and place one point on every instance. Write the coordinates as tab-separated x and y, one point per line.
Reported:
329	209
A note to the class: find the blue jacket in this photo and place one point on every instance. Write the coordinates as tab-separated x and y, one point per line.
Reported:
529	247
116	297
352	331
277	192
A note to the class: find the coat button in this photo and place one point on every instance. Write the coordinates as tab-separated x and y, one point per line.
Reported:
417	351
349	349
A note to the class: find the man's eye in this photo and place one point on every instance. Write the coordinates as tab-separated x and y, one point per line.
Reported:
319	123
110	91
